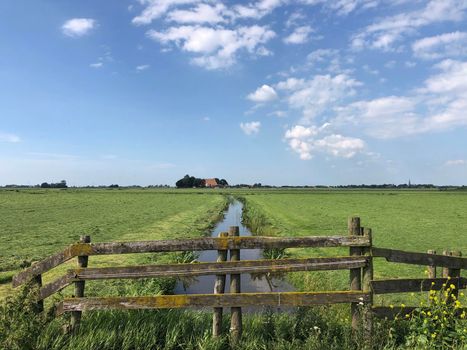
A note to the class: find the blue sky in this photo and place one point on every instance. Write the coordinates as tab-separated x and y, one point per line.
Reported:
272	91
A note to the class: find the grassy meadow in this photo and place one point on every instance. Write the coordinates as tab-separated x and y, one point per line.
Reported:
37	223
408	220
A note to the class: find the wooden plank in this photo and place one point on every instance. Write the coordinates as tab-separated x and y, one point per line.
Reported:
50	262
215	243
42	266
217	268
200	269
211	300
392	312
415	285
57	285
420	258
195	244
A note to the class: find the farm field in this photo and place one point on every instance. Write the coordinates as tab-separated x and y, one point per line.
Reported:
38	223
406	220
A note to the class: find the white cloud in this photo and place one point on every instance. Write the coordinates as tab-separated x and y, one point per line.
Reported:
279	114
77	27
444	45
385	33
307	141
452	79
300	35
216	47
96	65
250	128
386	117
263	94
142	67
156	8
202	13
343	7
257	9
318	94
438	106
321	55
11	138
456	162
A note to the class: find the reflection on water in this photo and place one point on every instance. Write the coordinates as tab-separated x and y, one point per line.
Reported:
249	282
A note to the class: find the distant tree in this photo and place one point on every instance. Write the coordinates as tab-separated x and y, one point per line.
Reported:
190	181
199	182
223	182
61	184
113	186
45	185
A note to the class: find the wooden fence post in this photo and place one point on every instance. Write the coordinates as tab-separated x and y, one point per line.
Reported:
79	286
355	274
236	312
454	273
367	277
219	288
431	268
445	273
37	281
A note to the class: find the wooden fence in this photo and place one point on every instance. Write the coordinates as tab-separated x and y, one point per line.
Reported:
359	262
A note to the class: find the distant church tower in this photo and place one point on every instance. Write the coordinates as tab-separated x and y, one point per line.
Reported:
410	183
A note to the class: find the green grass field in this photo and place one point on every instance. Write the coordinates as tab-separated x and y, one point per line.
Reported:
38	223
406	220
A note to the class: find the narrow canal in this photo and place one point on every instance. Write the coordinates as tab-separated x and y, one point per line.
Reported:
249	282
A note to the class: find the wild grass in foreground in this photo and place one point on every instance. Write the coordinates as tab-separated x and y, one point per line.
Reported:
21	328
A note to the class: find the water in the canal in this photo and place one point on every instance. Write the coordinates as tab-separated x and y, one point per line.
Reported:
249	283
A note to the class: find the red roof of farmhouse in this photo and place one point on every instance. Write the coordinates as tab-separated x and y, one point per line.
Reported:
211	182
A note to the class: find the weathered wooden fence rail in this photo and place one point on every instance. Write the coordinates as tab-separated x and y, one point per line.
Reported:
359	262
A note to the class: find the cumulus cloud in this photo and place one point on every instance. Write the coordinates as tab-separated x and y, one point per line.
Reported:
263	94
96	65
385	117
387	32
321	55
78	27
320	93
202	13
439	105
307	141
257	9
142	67
444	45
10	138
456	162
343	7
250	128
215	47
154	9
299	36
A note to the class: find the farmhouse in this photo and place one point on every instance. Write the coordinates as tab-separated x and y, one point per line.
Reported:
211	183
